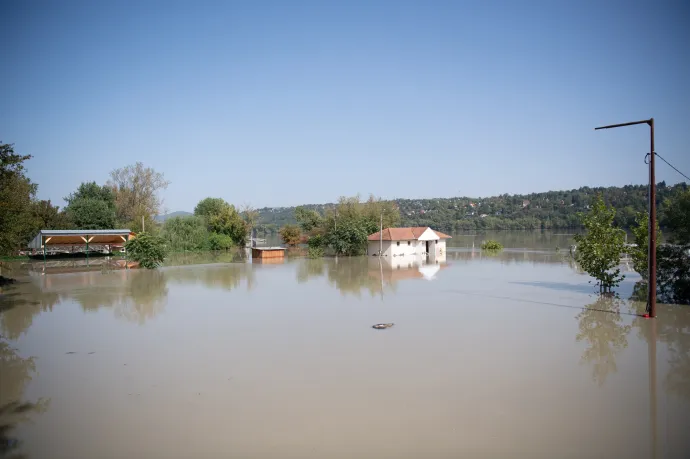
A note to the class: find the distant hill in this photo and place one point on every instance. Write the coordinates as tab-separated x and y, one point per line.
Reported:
551	209
179	213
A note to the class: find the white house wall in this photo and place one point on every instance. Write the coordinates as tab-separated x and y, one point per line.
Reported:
428	235
373	248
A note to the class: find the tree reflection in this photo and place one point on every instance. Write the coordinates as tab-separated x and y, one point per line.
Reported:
19	304
602	329
310	268
226	277
15	374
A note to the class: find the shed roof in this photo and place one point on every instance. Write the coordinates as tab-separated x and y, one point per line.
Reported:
74	237
404	234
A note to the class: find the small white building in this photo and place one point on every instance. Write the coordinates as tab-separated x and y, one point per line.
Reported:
396	242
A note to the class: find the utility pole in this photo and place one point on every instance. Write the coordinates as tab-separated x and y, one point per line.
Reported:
143	228
381	237
651	256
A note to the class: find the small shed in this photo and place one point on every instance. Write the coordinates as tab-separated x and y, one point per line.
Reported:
268	252
55	239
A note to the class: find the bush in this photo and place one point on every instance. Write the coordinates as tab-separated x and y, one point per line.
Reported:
217	241
492	245
185	233
315	252
147	249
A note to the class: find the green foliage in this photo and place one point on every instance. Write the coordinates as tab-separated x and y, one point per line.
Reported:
210	206
492	245
349	238
91	207
315	252
227	221
48	216
678	217
316	242
223	218
673	274
290	234
599	249
640	254
149	250
550	210
16	195
308	219
217	241
185	233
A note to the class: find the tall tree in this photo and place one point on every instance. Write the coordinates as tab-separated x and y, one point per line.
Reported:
599	249
136	194
91	207
16	194
223	218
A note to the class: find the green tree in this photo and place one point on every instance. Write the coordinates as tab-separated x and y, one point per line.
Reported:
678	217
308	219
640	254
48	216
91	207
230	223
16	194
599	249
148	249
290	234
185	233
210	206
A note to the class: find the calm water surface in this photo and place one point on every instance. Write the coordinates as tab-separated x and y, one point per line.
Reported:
489	357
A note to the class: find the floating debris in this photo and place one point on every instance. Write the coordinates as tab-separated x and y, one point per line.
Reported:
70	352
382	326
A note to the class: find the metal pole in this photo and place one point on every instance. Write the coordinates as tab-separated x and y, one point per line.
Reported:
87	249
651	303
651	256
44	249
143	228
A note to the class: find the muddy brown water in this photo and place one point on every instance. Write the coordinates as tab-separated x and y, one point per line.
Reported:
511	355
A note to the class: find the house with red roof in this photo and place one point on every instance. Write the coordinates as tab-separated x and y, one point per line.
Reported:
418	240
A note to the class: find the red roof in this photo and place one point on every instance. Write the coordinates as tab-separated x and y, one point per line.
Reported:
404	234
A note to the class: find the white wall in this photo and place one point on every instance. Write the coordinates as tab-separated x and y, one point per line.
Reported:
373	248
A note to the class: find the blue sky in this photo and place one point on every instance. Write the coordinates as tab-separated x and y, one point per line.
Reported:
280	103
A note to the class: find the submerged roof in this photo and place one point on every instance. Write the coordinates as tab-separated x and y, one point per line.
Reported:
404	234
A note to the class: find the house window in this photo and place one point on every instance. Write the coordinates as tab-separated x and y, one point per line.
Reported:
409	243
398	243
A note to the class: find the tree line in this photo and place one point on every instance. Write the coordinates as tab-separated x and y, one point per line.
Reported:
535	211
129	199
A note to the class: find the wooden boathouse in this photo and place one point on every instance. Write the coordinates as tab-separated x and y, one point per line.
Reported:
263	253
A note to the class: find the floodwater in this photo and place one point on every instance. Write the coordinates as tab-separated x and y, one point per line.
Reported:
511	355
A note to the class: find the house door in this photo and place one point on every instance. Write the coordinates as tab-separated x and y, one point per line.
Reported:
427	247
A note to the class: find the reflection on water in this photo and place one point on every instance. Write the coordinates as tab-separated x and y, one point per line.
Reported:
15	374
281	361
603	329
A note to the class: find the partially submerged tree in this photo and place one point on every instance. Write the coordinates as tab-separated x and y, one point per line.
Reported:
148	249
185	233
290	234
223	218
640	254
599	249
